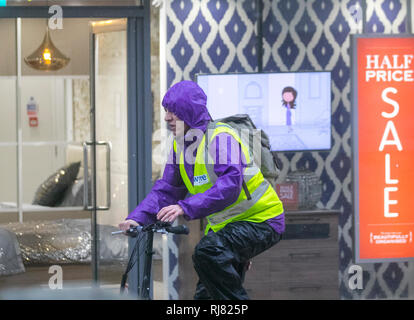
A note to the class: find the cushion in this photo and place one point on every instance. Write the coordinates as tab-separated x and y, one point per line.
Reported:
51	191
73	196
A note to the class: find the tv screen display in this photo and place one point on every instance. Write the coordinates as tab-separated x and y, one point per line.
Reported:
293	108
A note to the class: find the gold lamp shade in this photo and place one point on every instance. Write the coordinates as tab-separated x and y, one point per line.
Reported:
47	56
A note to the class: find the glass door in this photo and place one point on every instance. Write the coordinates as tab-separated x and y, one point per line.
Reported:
63	147
108	147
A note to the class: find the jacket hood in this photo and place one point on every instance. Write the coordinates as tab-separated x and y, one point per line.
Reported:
189	103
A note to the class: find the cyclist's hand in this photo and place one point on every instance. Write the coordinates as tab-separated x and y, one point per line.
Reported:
170	213
125	225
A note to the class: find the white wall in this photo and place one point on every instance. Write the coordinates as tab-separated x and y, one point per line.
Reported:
8	159
39	162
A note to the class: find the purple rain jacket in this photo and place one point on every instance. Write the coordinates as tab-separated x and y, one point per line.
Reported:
188	102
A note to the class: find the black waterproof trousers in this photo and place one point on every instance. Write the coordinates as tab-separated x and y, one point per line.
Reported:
220	259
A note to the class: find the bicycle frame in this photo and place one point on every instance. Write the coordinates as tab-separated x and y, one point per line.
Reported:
143	288
144	291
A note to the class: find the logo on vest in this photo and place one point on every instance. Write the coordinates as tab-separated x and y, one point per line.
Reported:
200	180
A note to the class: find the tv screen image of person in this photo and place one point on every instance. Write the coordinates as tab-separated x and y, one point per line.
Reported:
293	108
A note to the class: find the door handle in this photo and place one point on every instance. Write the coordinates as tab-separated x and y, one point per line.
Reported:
108	146
86	205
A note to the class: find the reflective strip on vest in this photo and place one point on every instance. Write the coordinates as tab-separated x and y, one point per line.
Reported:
241	207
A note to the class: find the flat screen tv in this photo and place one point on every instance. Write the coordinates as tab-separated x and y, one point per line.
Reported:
293	108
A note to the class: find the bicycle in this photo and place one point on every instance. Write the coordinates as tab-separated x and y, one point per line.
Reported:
138	232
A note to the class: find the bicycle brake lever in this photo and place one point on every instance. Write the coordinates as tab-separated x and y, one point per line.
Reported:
132	232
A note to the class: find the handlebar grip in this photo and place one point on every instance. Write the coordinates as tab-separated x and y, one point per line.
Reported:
133	231
182	229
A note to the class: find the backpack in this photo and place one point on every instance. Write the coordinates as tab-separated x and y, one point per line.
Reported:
265	160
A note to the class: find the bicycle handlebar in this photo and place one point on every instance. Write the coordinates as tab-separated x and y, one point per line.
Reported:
129	232
161	227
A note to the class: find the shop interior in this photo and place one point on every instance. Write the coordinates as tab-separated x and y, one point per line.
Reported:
46	158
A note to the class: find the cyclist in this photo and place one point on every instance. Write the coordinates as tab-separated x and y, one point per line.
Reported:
210	162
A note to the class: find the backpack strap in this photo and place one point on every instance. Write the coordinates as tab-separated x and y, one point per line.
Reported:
212	125
246	190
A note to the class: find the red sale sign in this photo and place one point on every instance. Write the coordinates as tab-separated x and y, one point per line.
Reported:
383	147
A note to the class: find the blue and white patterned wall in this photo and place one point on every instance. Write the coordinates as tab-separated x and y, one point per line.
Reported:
218	36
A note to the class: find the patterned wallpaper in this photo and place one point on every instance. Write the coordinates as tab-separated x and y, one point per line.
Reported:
218	36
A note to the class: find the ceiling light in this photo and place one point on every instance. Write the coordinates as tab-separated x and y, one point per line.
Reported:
47	56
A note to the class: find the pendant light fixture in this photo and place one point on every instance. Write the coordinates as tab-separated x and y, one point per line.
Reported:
47	57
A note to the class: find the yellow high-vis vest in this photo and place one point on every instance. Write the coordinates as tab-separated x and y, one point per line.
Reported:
259	204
